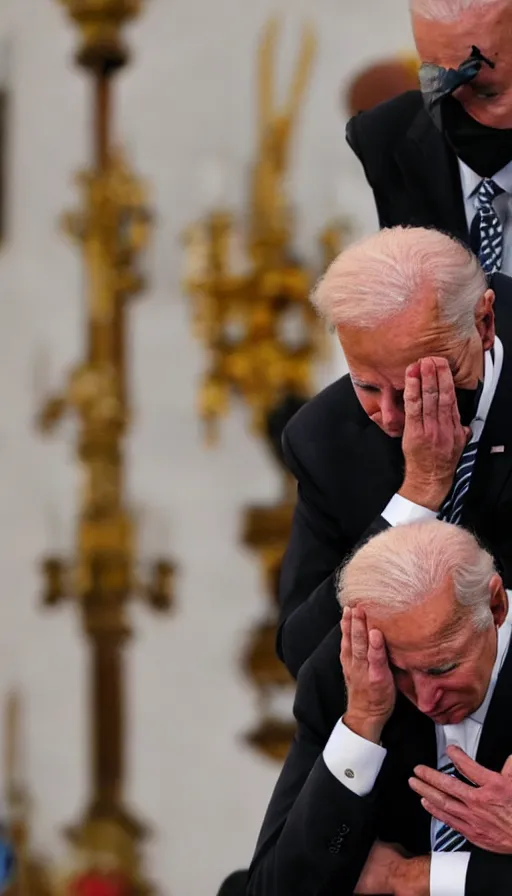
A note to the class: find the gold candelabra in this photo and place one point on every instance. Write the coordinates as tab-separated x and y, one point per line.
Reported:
261	338
111	229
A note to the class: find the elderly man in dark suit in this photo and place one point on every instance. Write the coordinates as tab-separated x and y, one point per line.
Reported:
444	159
421	695
420	427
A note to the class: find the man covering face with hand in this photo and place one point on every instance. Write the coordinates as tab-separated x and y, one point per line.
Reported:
421	688
420	428
442	157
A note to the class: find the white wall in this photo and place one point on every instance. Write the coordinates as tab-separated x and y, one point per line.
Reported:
187	98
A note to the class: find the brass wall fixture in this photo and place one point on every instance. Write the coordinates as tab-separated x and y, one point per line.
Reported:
261	339
111	228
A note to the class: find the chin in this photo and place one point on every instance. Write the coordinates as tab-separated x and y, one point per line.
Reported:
451	716
392	433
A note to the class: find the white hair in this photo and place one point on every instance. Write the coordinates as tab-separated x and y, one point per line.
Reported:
447	10
400	567
377	278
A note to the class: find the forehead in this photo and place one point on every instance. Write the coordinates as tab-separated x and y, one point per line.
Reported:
449	43
388	349
433	630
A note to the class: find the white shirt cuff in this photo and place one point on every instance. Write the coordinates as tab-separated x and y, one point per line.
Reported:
400	510
448	873
354	761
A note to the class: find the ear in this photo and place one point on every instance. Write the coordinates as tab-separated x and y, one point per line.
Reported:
498	600
484	319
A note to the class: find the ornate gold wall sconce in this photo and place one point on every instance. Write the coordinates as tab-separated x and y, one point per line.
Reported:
261	339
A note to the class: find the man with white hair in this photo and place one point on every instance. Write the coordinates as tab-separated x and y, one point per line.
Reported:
418	696
442	157
420	427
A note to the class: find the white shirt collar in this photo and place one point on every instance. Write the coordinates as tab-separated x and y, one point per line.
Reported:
492	371
470	180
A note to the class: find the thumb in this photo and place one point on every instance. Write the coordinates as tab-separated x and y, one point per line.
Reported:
507	768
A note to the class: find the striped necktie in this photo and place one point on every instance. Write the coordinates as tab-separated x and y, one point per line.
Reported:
487	229
446	839
451	511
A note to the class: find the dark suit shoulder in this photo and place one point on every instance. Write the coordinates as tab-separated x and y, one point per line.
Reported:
334	408
373	134
320	695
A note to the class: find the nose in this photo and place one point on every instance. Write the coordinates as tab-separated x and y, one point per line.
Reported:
392	410
427	692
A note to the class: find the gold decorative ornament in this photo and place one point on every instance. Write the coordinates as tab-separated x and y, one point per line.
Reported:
261	338
111	228
100	22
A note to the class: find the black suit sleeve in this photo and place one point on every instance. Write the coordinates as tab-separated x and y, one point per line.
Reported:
308	608
316	834
489	874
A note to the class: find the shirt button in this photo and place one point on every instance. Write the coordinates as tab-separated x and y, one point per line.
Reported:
349	773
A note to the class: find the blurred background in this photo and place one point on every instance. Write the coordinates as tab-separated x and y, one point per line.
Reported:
206	712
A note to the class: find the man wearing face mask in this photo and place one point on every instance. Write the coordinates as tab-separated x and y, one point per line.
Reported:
442	157
386	444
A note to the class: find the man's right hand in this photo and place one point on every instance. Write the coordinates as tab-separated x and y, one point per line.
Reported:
434	438
371	690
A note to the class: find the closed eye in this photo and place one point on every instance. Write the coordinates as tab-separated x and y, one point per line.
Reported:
366	387
443	670
435	673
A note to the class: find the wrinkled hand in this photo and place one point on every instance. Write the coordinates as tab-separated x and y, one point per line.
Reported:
387	871
482	814
434	437
379	871
371	691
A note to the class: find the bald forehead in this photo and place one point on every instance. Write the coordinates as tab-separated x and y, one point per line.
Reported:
489	27
417	332
434	623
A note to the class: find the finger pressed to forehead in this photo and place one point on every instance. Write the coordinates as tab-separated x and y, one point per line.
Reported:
429	382
445	380
412	392
359	635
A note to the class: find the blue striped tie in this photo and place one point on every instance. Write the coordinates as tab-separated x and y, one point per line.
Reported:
451	510
488	227
446	839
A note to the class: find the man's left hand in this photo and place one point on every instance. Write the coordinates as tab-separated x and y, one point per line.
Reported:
387	871
379	870
482	814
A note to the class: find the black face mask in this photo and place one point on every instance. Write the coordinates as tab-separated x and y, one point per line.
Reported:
485	150
467	403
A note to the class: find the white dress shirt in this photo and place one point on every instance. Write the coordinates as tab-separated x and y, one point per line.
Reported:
470	181
356	763
399	509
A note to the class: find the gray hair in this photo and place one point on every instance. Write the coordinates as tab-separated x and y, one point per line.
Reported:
447	10
400	567
377	278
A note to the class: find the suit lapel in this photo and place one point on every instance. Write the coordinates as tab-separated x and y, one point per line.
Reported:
496	738
426	160
410	740
380	464
493	469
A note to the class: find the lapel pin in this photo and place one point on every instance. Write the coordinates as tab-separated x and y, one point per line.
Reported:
497	449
